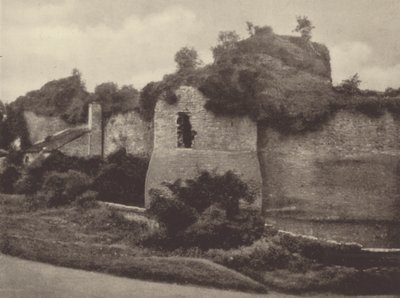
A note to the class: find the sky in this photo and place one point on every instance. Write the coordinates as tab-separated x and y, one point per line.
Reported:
134	42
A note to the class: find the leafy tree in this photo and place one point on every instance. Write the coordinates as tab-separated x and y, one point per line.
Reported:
304	26
116	100
15	127
227	41
186	59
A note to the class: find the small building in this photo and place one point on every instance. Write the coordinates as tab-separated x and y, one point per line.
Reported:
84	140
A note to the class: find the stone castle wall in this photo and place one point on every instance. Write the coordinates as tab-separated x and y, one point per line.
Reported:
343	177
349	171
128	131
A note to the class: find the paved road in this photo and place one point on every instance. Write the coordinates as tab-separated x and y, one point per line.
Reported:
23	279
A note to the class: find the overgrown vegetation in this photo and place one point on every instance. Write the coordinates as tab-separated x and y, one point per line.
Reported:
281	81
116	100
122	179
66	98
61	179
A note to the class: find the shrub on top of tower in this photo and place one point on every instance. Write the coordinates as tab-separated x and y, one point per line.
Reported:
304	27
187	59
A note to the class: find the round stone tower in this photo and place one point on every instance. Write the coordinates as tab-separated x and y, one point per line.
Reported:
189	139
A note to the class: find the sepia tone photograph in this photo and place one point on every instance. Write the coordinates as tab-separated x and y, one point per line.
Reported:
215	148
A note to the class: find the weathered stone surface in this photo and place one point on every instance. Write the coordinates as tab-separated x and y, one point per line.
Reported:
211	132
170	165
349	171
128	131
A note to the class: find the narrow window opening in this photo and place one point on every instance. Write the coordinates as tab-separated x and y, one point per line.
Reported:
184	131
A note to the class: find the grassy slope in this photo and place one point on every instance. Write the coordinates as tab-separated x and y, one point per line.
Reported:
95	239
66	237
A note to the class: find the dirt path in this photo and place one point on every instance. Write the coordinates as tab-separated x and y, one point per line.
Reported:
21	278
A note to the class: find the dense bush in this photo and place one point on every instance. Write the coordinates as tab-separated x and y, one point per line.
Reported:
62	188
33	177
122	179
58	161
8	178
204	212
209	188
119	179
174	214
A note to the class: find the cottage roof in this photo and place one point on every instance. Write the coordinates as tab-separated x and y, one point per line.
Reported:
58	140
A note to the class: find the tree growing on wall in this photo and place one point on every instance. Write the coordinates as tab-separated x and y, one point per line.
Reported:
304	27
187	59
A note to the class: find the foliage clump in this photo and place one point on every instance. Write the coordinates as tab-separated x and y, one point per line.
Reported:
116	100
8	177
119	179
66	98
204	212
59	189
304	27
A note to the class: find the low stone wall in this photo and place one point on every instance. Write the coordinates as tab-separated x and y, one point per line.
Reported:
384	234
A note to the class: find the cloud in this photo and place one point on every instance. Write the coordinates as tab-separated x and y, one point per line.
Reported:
356	57
137	49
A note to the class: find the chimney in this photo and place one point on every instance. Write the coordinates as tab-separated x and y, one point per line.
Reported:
95	124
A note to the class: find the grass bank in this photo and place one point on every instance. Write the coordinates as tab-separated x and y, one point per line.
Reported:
98	240
103	240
